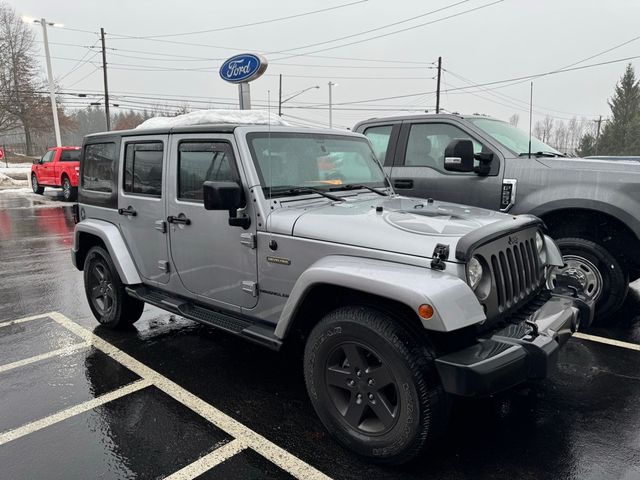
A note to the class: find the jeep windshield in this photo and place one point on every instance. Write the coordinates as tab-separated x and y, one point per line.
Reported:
294	163
514	139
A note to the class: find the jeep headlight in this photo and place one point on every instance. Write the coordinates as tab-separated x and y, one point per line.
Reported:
474	272
542	254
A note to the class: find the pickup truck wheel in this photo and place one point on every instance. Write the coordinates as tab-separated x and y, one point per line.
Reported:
68	192
35	186
601	275
374	384
108	300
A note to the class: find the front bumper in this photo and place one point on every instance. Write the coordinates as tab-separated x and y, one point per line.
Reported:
518	352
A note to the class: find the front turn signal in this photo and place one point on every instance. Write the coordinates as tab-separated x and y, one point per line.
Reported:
425	311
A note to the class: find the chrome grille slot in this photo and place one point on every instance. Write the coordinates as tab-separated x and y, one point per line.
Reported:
515	270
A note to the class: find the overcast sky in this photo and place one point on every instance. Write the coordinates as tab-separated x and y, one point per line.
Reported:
509	39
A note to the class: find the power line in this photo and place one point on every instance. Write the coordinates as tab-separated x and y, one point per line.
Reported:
261	22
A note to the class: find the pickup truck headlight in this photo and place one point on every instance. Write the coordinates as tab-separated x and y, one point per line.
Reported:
542	254
474	272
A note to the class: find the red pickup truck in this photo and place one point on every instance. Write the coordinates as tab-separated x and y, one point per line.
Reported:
58	167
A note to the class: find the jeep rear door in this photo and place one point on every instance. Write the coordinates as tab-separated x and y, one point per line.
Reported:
214	260
141	204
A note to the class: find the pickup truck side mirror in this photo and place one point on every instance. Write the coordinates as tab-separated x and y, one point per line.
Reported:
458	156
226	196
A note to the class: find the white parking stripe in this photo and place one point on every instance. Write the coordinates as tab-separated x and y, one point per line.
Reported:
22	320
608	341
44	356
70	412
209	461
248	437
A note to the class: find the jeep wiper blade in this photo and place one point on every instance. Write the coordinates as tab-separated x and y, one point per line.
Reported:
352	186
302	190
542	154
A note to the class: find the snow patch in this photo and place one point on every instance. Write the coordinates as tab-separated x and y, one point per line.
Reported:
6	181
208	117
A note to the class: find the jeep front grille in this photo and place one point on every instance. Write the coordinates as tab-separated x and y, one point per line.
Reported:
516	272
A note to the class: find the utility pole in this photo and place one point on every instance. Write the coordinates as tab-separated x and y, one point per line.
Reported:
599	122
106	86
280	98
530	116
52	91
438	85
331	84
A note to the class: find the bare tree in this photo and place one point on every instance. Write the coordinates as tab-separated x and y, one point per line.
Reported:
514	119
21	104
547	129
538	130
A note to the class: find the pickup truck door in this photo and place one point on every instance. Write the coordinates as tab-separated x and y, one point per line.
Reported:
45	169
141	204
418	165
214	260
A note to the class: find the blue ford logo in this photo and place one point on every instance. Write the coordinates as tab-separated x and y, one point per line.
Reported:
243	68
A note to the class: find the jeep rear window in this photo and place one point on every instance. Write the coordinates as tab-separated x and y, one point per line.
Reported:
97	174
70	156
143	168
291	160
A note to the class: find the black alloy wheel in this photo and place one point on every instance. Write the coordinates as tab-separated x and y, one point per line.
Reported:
67	189
35	186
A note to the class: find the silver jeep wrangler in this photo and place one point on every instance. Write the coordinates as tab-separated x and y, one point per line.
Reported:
279	234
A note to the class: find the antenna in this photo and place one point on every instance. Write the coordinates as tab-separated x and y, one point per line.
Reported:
530	116
268	219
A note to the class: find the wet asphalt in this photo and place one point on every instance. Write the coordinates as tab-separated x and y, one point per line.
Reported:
581	423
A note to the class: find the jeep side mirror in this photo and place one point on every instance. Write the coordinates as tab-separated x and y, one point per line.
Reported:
458	156
226	196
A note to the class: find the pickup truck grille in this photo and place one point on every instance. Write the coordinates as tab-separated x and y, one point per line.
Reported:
516	272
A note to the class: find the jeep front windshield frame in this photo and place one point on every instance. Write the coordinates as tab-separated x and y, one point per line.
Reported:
511	137
287	162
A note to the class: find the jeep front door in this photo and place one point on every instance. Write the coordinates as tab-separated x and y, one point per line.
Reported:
141	204
213	259
418	168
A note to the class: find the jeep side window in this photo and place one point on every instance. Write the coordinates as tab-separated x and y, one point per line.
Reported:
201	161
428	141
143	168
379	137
97	174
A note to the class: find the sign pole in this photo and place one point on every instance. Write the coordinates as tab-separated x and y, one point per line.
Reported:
244	92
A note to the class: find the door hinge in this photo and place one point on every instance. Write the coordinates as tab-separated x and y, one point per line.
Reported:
248	240
251	287
163	265
160	225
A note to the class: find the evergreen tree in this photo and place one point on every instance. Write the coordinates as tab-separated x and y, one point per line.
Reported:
621	134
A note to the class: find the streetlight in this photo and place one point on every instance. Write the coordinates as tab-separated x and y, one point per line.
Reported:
294	96
52	92
331	84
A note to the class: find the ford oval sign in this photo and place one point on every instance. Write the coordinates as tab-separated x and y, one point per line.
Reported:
243	68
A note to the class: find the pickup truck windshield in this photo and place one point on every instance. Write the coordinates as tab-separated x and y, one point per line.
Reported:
513	138
288	160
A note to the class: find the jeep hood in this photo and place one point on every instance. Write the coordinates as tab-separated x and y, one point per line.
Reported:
410	226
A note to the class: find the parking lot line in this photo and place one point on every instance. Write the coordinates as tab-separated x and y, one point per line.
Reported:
72	411
209	461
22	320
244	434
44	356
607	341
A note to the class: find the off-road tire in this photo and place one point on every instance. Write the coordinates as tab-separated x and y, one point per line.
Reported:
69	193
119	310
35	186
615	279
421	406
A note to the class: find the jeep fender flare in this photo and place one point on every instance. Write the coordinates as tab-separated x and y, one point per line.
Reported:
115	245
454	303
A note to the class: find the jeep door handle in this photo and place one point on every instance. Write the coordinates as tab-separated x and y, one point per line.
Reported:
403	183
179	220
129	211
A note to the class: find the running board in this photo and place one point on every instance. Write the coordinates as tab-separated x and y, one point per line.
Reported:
232	323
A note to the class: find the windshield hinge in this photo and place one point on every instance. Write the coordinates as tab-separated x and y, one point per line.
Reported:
251	287
440	255
248	240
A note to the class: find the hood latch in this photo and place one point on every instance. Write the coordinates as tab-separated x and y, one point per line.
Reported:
440	255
